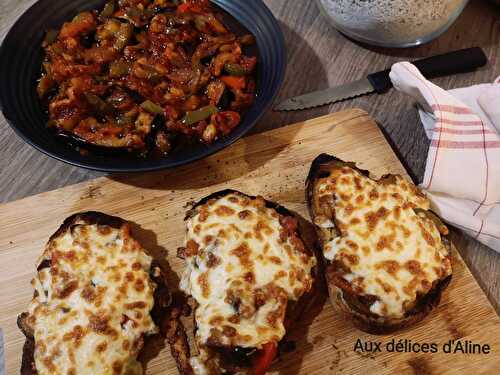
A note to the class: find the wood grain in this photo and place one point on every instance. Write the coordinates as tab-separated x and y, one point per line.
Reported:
275	165
321	57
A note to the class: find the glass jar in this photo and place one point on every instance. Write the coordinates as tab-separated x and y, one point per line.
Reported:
392	23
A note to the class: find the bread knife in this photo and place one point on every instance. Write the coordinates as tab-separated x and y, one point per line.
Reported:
460	61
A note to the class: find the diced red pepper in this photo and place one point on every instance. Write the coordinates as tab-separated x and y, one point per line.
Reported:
264	358
183	8
189	7
227	121
236	83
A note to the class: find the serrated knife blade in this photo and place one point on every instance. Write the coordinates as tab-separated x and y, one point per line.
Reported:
331	95
461	61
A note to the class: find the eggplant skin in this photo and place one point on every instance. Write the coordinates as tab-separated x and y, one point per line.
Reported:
348	304
28	362
161	296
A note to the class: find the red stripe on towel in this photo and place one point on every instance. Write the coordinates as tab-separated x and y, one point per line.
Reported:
465	145
458	131
460	123
452	109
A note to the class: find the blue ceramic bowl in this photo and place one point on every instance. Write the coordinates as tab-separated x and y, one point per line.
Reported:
20	63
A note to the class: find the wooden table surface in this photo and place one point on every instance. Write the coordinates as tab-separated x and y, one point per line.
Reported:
318	57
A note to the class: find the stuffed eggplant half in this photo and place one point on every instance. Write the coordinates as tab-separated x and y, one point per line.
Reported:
386	256
97	297
250	276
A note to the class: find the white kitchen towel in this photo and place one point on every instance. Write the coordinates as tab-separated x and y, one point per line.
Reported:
462	174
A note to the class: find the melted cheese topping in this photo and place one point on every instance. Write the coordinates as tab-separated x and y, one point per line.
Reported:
93	303
392	251
242	269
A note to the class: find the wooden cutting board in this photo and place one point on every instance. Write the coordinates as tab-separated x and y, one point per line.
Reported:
273	164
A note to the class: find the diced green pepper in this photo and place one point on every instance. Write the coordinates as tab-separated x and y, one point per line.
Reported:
148	13
46	67
44	85
192	117
98	104
108	10
108	30
50	37
80	17
135	16
151	107
124	119
119	69
151	73
236	69
134	12
200	22
101	79
57	48
123	36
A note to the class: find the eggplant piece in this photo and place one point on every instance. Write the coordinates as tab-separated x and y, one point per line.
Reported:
88	40
81	144
50	37
159	141
225	101
123	36
351	305
162	142
160	313
108	10
99	106
45	85
234	358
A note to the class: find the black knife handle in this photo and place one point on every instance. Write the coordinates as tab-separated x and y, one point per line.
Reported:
461	61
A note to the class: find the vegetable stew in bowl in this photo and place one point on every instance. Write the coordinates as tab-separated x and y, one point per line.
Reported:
120	102
146	76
